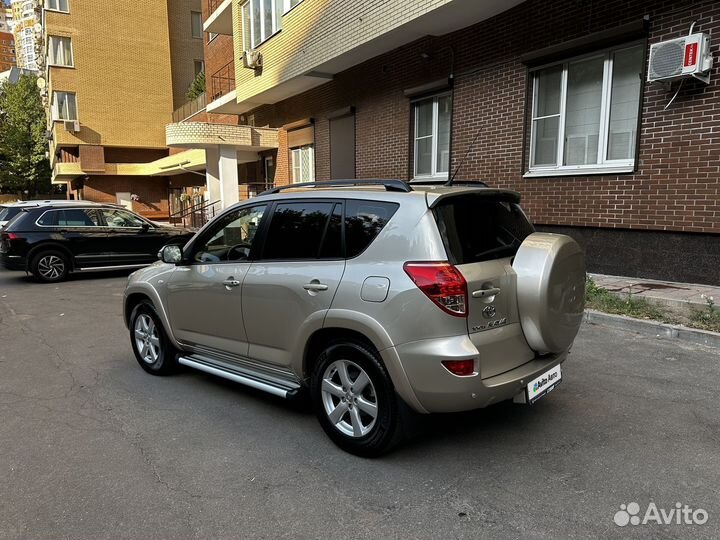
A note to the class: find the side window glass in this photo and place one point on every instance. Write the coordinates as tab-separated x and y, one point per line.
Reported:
232	239
121	218
296	230
363	222
48	219
75	217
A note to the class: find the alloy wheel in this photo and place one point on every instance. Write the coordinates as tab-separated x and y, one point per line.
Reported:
349	398
147	338
51	267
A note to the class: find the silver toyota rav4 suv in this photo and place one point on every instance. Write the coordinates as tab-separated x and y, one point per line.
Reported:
374	296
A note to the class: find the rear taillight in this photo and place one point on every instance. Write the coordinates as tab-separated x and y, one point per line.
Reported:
442	283
8	236
461	368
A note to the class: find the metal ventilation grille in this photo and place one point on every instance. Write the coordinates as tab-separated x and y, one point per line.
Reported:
667	59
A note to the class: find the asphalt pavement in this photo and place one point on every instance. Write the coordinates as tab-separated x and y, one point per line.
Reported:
92	447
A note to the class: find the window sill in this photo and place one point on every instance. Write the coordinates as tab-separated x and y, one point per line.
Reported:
57	11
431	178
61	66
580	171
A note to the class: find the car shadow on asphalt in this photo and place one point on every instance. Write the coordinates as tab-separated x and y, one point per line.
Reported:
422	433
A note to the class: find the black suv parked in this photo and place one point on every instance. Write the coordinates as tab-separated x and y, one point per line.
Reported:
51	240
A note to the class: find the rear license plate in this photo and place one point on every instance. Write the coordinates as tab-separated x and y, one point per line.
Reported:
544	384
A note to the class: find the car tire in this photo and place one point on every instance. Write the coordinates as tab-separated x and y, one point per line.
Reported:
151	345
50	266
363	421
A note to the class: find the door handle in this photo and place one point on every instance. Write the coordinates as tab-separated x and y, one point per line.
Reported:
315	286
231	282
485	293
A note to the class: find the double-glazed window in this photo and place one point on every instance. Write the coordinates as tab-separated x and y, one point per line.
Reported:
432	136
60	51
64	106
261	19
57	5
303	164
585	113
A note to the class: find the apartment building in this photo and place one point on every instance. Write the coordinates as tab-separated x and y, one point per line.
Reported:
7	51
116	72
547	98
27	31
5	18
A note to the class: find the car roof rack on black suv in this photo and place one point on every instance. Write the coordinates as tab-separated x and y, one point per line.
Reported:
390	185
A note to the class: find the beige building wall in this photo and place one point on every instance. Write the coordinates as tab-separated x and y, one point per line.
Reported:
317	31
185	50
122	74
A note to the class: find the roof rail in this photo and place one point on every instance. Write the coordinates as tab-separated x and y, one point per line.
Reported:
390	185
478	183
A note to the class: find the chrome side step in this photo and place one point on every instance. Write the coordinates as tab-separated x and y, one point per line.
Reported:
271	385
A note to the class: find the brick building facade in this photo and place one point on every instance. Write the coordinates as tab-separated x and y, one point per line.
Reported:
116	72
653	210
7	51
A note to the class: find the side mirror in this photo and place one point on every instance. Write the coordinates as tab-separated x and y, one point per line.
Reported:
171	254
145	227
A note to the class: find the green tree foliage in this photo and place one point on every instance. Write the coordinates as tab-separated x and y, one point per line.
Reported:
23	164
197	87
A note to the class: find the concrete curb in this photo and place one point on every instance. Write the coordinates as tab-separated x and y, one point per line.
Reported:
653	328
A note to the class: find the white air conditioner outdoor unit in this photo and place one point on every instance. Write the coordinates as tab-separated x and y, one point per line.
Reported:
73	126
687	56
252	59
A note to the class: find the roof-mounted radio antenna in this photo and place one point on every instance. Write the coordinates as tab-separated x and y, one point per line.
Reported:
472	144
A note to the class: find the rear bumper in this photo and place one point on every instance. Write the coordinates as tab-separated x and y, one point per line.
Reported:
437	390
13	262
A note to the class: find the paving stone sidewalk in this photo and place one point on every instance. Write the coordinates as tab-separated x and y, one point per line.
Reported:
681	296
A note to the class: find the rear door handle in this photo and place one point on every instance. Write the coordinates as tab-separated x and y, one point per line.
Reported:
231	282
315	287
484	293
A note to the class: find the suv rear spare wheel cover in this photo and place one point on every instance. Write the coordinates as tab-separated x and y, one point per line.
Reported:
551	290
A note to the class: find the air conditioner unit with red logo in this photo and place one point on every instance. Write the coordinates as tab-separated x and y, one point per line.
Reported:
687	56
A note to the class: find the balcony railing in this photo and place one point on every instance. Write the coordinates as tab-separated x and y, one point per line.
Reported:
189	109
213	5
223	81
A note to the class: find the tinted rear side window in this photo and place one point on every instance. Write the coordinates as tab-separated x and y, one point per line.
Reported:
363	222
476	229
297	230
69	218
9	212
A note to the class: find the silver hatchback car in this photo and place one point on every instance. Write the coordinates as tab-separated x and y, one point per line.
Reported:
374	296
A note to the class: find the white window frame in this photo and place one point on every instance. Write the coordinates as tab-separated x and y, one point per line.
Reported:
435	131
287	7
53	61
57	9
248	26
56	111
296	162
604	165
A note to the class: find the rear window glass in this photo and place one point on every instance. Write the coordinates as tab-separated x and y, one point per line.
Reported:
363	222
476	229
9	212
